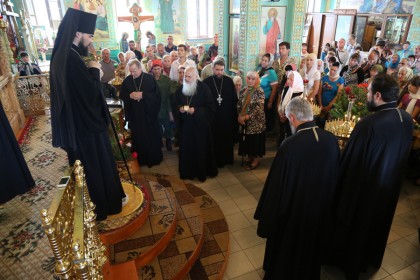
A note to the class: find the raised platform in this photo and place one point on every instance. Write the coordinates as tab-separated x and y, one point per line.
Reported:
185	235
132	217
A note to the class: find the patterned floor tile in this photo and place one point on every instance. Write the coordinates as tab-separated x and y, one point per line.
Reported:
25	252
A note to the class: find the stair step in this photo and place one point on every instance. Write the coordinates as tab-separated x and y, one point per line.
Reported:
126	271
156	233
185	236
177	259
212	261
133	216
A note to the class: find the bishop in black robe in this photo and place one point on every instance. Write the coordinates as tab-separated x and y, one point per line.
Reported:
79	114
371	172
142	117
296	201
225	124
196	152
15	176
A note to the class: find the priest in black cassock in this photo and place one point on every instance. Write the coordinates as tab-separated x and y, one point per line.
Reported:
297	197
225	125
142	100
371	172
15	176
79	114
196	107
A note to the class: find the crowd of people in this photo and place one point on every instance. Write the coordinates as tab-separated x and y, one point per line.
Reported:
338	67
212	111
318	206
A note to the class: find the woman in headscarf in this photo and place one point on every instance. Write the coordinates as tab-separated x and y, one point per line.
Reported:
405	74
269	83
237	81
328	93
251	117
352	73
392	67
312	75
292	88
410	102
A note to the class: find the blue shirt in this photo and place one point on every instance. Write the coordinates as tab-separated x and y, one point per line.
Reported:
329	89
268	78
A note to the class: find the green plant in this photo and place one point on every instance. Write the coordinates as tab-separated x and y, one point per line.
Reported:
123	139
359	109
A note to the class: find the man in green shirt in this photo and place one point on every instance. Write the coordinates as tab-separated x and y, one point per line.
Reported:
165	114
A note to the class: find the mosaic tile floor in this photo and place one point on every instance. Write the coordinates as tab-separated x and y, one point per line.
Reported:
25	251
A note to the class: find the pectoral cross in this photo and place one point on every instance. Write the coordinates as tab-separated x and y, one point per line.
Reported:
219	99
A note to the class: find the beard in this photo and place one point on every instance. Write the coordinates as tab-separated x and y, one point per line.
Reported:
370	105
189	89
84	51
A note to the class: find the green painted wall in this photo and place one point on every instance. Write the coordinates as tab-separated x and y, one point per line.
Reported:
414	33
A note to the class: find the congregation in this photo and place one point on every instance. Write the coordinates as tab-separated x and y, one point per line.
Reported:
304	134
181	96
341	64
211	112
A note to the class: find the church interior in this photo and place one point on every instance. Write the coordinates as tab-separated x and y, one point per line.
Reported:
172	228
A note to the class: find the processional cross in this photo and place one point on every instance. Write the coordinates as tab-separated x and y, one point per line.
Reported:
136	20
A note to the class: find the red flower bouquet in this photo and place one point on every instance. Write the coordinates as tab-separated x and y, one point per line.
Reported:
356	93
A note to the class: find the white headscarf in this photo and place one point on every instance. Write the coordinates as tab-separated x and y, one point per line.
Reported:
322	66
310	75
296	87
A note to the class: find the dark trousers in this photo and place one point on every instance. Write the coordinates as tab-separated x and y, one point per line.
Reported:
166	128
270	114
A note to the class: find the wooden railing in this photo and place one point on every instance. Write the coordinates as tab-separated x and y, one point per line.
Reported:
70	226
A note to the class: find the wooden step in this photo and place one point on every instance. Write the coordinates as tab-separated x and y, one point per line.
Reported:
154	236
133	216
212	245
213	258
177	259
126	271
185	236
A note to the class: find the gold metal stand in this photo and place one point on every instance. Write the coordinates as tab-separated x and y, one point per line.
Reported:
71	229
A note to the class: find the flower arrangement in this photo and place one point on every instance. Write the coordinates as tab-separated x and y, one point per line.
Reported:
356	94
124	140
